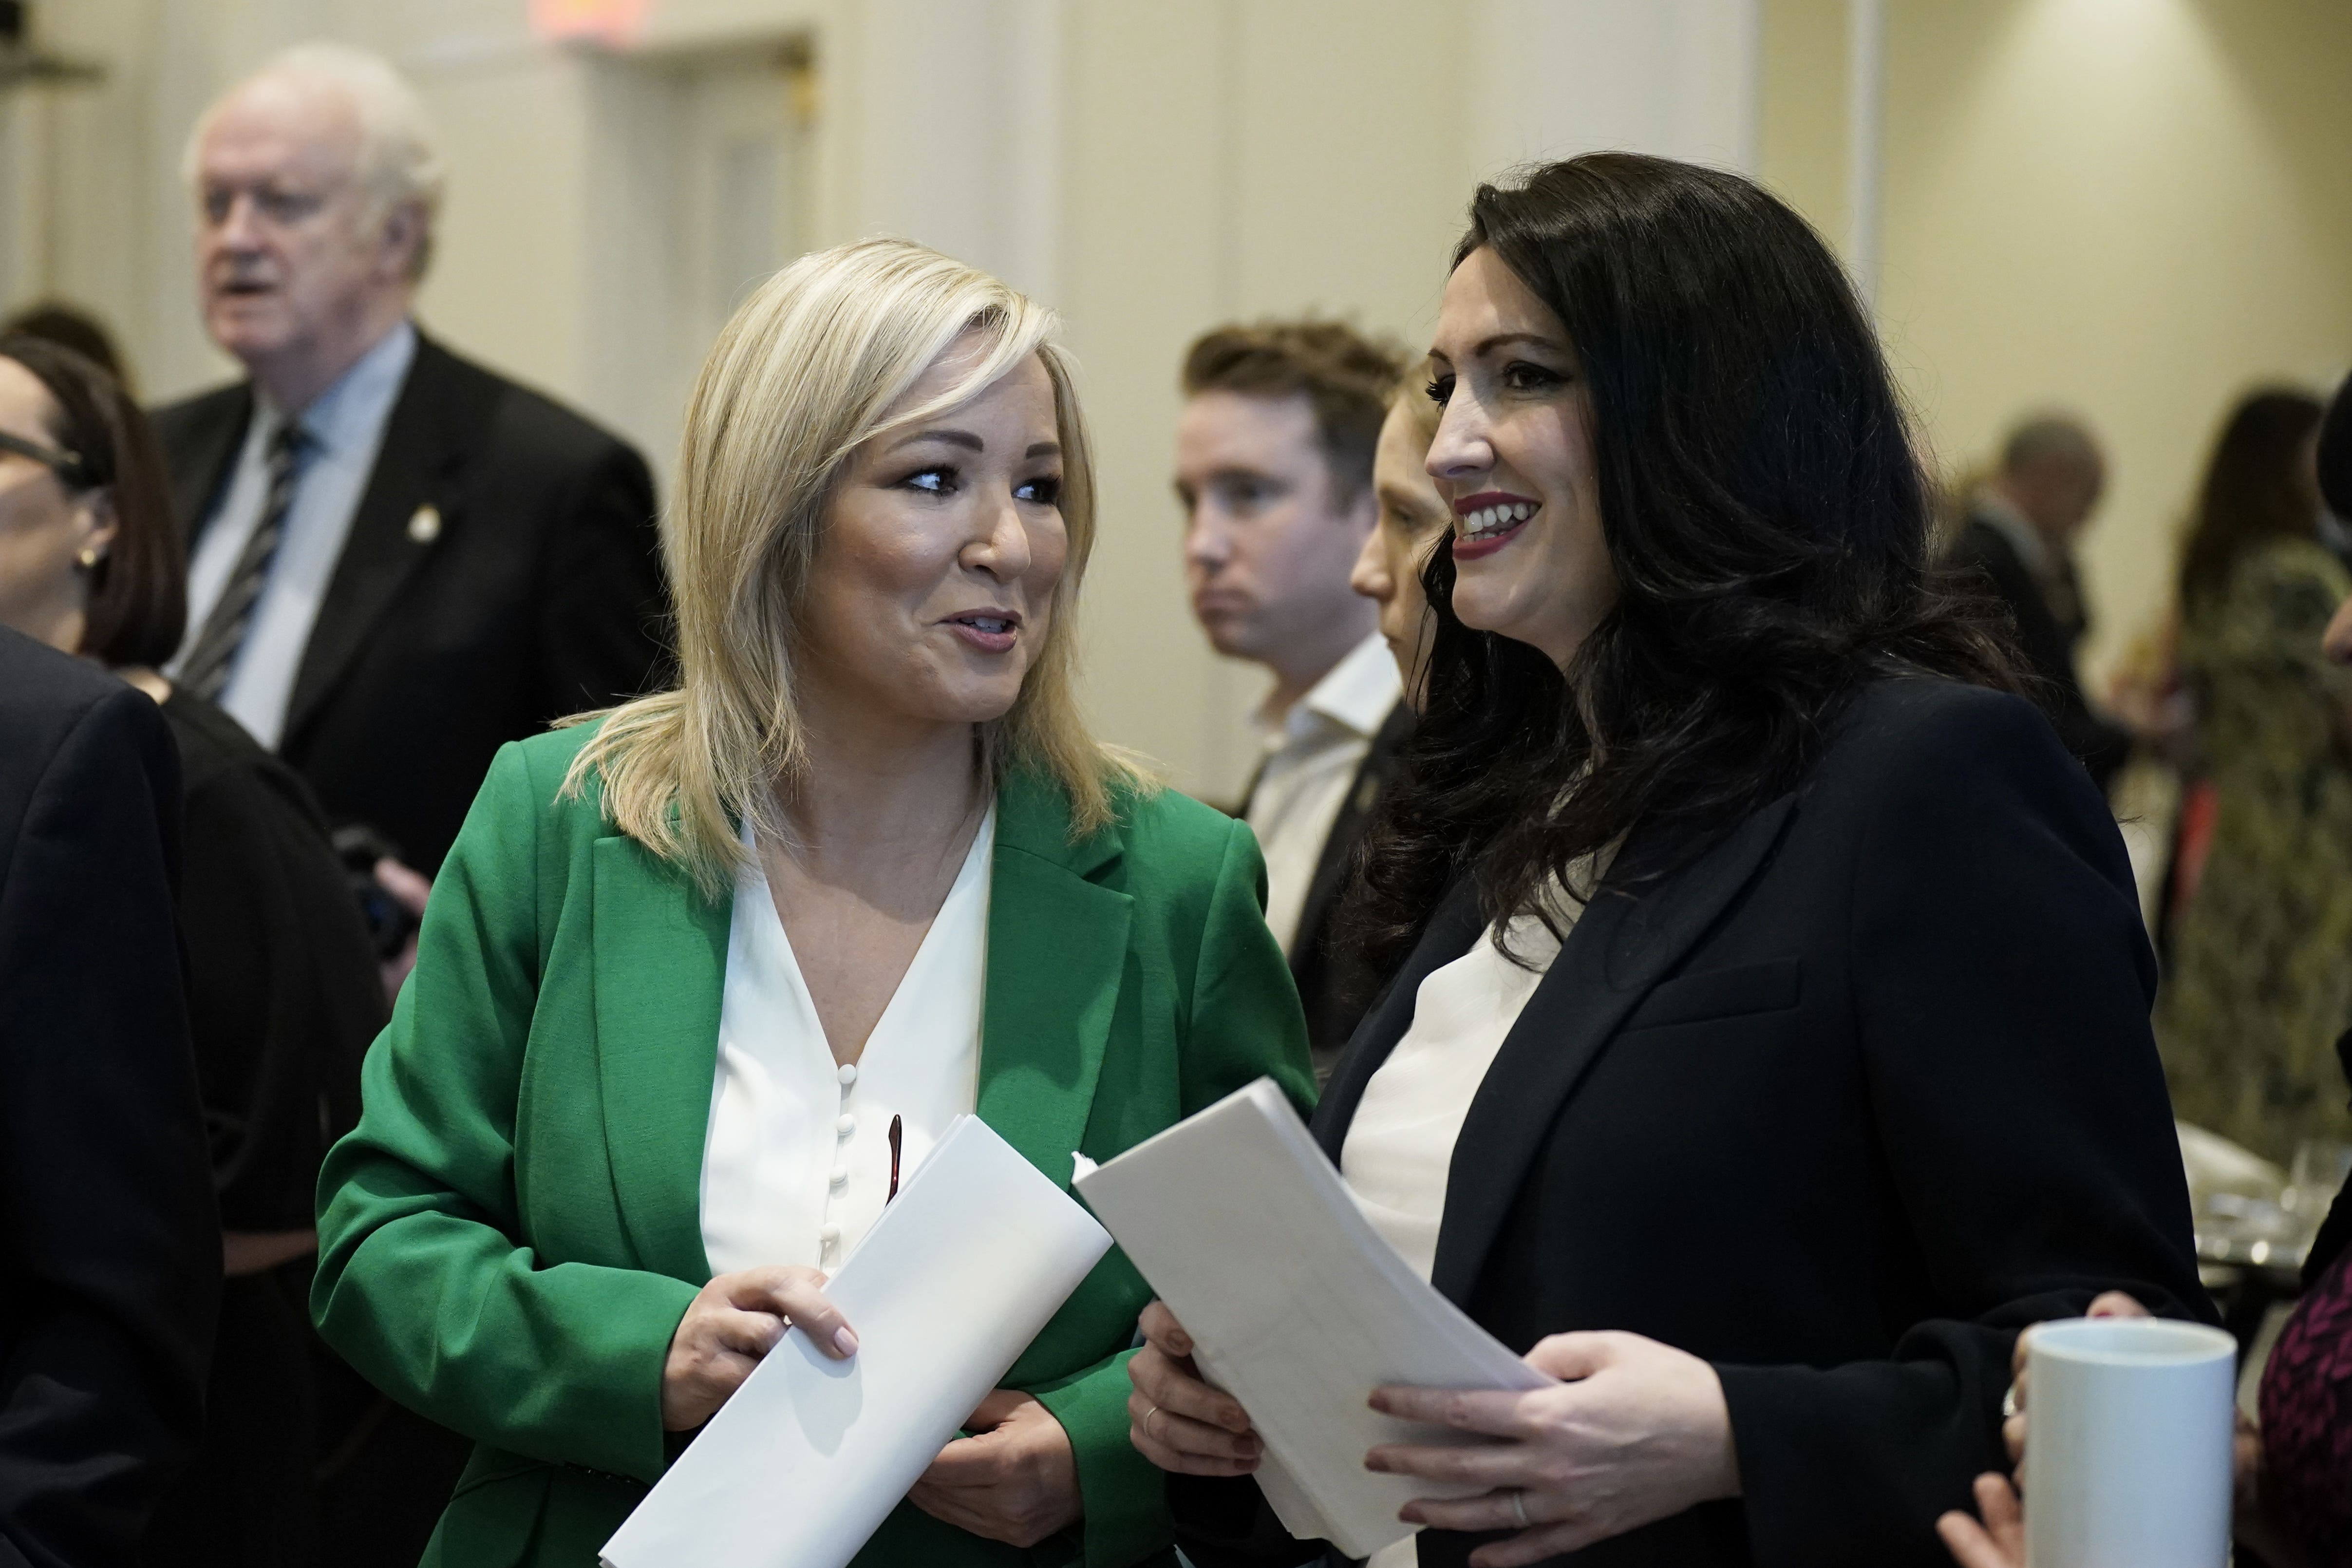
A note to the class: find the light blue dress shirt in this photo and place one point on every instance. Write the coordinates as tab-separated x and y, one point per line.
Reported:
345	426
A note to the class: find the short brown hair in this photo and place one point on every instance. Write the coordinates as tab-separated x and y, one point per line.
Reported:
1345	376
139	593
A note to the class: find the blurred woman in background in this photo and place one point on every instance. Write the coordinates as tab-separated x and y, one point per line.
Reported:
283	993
2260	982
1412	518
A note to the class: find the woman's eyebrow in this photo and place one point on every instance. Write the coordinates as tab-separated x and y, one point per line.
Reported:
953	438
1488	345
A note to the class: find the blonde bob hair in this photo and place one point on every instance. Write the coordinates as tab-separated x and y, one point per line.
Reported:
805	373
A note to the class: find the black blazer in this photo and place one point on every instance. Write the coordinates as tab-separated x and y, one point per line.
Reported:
1335	986
1839	1101
283	990
284	997
538	593
2047	643
109	1254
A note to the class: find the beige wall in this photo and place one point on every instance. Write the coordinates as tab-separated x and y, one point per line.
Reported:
1152	169
2135	208
1217	182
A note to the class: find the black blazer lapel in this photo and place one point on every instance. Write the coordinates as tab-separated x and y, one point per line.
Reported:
1338	857
1621	948
435	423
1457	924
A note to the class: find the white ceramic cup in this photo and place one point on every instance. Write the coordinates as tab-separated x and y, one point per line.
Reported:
2127	1443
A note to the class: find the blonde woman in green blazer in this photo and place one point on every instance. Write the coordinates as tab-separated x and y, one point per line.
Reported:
863	862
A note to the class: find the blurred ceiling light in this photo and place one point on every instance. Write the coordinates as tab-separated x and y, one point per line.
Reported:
612	22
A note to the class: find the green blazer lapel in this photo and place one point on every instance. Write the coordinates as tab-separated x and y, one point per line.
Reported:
660	974
1056	955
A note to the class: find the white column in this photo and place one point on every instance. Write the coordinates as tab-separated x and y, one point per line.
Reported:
1555	77
1865	119
955	126
1028	242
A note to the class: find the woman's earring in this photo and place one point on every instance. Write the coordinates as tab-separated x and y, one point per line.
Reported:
90	558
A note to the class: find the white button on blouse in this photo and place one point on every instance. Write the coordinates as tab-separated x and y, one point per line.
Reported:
797	1163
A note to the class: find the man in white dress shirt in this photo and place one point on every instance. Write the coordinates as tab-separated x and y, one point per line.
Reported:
1274	470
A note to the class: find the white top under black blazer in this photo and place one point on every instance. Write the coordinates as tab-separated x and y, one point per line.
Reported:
1839	1099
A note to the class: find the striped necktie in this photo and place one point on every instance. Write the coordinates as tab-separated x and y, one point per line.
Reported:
209	663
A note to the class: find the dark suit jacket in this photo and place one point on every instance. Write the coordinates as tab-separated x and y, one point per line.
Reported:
2335	457
283	990
109	1254
1838	1101
2048	643
1335	984
539	595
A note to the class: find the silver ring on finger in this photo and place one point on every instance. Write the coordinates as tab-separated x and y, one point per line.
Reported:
1519	1506
1147	1423
2008	1404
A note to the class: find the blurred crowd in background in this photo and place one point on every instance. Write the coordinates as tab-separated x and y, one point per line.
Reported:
339	746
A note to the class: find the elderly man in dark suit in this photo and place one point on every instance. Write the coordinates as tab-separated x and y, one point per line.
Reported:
2019	541
399	560
110	1250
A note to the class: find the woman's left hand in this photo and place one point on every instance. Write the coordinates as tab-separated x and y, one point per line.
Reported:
1638	1432
2000	1541
2106	1304
1014	1480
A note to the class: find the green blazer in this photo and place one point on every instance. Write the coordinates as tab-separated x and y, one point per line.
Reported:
510	1235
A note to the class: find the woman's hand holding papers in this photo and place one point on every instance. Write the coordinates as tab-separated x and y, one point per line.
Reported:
732	1322
1014	1480
1637	1431
1175	1419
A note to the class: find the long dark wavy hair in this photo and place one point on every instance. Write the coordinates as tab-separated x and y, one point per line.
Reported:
1767	517
2256	488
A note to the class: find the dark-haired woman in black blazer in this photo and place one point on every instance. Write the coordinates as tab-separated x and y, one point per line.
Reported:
1768	1039
283	991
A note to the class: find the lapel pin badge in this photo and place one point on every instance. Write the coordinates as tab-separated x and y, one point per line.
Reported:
424	523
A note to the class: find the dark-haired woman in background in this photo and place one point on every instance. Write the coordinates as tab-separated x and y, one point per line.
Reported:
2260	982
1769	1035
282	987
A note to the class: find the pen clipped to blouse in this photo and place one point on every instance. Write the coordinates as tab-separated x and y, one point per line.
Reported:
898	1132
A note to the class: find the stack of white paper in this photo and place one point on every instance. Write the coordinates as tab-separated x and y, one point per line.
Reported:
1297	1307
811	1454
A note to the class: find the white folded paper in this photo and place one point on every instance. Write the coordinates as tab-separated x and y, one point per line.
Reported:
2127	1464
810	1455
1298	1308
